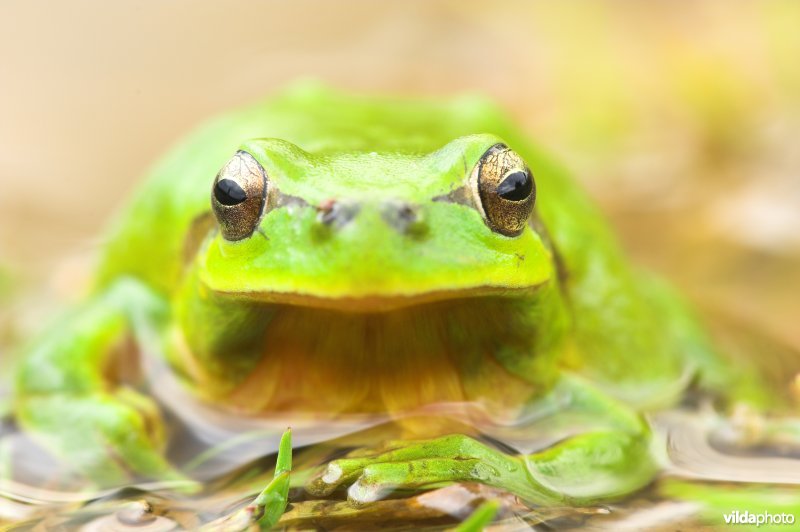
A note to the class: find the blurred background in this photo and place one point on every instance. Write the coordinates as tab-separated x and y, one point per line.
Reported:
681	119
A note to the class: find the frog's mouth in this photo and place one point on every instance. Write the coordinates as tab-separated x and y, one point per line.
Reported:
376	303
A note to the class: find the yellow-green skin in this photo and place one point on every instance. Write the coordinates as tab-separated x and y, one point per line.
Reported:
566	308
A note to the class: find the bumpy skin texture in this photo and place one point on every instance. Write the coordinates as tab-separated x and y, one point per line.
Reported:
553	315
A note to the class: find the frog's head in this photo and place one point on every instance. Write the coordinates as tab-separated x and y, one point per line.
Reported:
365	231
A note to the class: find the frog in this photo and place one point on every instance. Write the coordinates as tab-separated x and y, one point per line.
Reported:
320	251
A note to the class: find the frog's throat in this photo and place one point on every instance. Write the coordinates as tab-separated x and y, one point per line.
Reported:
489	349
380	302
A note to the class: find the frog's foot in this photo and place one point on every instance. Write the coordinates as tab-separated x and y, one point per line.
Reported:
67	398
109	438
415	465
601	464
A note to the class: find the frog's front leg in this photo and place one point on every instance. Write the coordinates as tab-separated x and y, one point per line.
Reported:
597	465
67	397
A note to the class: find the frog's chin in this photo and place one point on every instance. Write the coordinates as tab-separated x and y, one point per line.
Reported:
379	302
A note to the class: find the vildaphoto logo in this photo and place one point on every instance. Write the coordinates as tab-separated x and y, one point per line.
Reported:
763	518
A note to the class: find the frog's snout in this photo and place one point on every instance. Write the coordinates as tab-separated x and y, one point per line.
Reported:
402	216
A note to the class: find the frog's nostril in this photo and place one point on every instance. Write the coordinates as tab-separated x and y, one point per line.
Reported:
336	213
404	217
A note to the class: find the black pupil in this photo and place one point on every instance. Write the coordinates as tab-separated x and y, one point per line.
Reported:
516	186
228	192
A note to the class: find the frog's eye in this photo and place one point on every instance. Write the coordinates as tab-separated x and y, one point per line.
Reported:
239	196
504	190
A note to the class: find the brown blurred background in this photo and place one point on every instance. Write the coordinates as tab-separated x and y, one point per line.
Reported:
682	119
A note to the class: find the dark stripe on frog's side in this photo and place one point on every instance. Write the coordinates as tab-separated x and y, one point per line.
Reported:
535	223
461	195
199	229
287	200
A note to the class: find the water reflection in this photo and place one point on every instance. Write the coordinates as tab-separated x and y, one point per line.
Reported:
35	490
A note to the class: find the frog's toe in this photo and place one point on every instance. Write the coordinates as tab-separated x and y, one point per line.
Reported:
345	471
412	465
378	480
326	481
370	480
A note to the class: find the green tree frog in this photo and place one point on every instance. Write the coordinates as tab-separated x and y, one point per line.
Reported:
327	253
